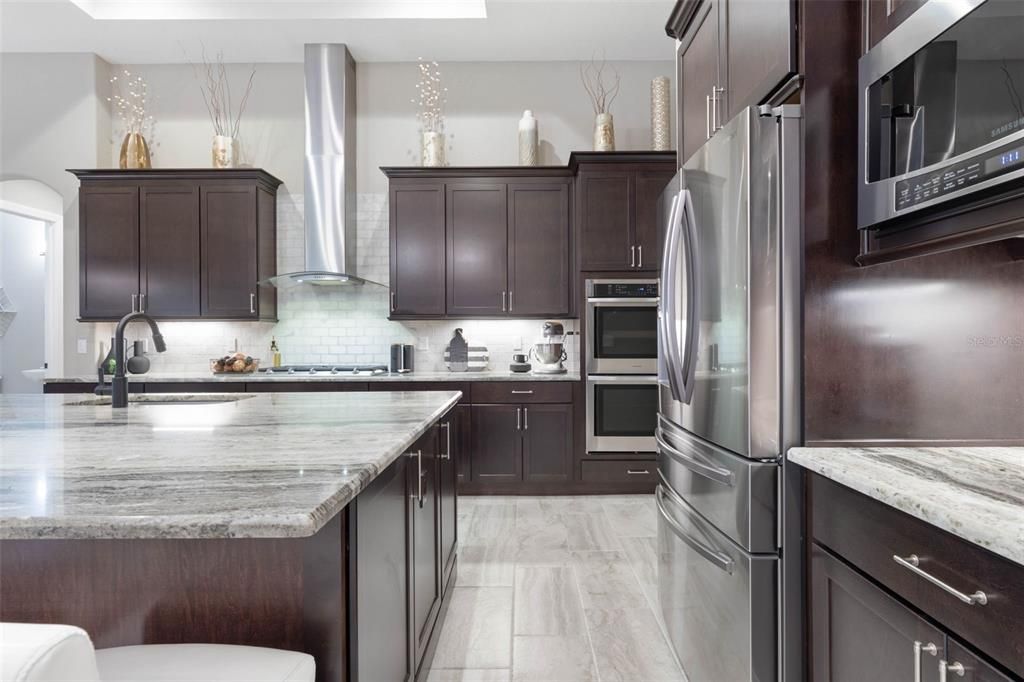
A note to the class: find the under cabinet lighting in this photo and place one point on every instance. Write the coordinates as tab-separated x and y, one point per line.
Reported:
205	10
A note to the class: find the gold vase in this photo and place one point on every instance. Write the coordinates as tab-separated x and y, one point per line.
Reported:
135	151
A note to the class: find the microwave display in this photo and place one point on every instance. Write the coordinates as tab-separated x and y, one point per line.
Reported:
962	91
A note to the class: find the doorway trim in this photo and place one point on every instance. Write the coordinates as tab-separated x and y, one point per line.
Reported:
35	200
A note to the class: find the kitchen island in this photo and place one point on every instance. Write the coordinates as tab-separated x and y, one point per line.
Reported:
227	518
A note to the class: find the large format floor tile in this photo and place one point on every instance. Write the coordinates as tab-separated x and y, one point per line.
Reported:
555	589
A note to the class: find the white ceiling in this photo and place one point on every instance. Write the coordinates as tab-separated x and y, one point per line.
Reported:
513	30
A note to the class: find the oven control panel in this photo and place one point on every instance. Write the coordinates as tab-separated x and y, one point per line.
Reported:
624	290
938	182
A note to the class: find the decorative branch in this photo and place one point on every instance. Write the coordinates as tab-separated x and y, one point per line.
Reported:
215	87
129	98
432	97
601	95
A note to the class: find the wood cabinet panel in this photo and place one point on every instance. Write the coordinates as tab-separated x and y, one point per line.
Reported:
169	247
229	251
425	582
974	668
538	248
631	471
522	392
449	457
547	442
496	445
266	261
417	216
108	251
759	53
477	251
605	213
858	632
464	433
649	232
698	72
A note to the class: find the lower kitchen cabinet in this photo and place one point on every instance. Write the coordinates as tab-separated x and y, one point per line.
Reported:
547	442
449	456
522	443
402	529
496	445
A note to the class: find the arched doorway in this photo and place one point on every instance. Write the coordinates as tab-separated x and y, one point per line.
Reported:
31	284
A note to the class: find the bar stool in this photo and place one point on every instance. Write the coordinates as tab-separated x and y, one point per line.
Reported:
62	653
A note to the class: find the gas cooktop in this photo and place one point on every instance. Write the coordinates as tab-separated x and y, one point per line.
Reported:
356	370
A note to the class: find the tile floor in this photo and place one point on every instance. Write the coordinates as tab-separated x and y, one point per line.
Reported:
555	589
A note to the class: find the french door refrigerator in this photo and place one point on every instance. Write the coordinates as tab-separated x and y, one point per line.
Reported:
729	532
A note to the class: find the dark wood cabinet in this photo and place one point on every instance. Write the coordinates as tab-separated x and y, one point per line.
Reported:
177	244
539	258
496	448
858	632
885	15
169	248
417	247
450	453
377	577
424	574
617	197
698	74
464	435
547	442
964	664
731	54
477	243
108	242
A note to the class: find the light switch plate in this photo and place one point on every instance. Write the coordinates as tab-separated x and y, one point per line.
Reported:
83	346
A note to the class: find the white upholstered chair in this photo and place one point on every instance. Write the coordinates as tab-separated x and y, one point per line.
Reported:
62	653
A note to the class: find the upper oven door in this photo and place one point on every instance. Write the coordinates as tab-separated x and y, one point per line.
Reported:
622	336
941	108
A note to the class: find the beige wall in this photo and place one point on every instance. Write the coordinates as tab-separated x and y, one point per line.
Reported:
54	116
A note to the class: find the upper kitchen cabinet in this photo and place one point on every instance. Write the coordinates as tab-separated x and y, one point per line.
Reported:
885	15
416	216
480	242
617	208
730	54
177	244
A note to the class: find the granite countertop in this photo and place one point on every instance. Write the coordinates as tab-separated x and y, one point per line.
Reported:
257	465
427	376
974	493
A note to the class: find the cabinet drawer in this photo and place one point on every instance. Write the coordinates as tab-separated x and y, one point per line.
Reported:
522	392
868	534
620	471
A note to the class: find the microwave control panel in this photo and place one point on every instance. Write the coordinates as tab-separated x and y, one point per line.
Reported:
624	290
933	184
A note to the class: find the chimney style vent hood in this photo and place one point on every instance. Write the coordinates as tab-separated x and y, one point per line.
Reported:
330	200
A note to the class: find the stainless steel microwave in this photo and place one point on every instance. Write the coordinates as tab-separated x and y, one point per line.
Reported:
942	111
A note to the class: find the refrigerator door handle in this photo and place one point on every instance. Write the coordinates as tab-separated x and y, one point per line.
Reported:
717	474
669	342
688	370
719	559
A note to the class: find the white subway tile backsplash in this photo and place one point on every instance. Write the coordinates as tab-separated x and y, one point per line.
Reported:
337	326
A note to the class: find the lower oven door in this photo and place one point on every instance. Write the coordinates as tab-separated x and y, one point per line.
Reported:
718	601
622	413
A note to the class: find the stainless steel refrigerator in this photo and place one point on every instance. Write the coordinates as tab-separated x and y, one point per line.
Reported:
729	532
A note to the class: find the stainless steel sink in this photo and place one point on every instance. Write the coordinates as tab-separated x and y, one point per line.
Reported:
167	399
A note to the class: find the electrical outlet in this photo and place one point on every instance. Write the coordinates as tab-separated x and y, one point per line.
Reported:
517	343
145	345
423	343
83	346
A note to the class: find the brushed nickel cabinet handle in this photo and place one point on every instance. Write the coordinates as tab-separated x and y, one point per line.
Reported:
519	419
142	302
638	472
640	255
716	99
503	302
510	301
632	256
526	419
135	305
447	454
392	301
912	563
252	304
918	648
707	117
945	668
514	392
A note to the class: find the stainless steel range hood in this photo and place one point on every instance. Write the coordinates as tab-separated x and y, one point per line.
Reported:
330	200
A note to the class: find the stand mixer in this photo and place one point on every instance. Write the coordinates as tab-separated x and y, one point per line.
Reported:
550	353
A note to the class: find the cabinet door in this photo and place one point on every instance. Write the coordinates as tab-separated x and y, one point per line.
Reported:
169	246
108	251
885	15
377	577
448	463
497	445
266	263
697	74
477	227
858	632
417	248
538	248
465	436
967	666
649	186
604	212
760	52
547	442
425	583
229	251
